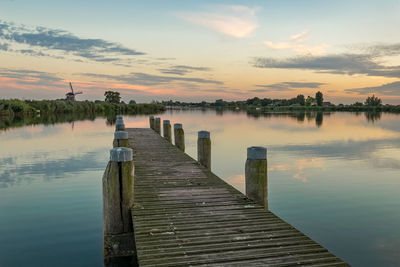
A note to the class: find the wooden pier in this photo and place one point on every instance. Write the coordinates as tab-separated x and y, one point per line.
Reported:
184	215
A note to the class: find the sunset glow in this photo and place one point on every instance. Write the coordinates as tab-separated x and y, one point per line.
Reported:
200	50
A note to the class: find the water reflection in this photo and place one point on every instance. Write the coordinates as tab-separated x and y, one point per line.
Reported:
318	119
7	122
299	116
12	174
46	119
110	120
373	116
329	174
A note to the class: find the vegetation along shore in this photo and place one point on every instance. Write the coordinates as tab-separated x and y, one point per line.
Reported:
111	105
298	103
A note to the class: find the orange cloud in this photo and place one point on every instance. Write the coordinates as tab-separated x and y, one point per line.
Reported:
297	43
232	20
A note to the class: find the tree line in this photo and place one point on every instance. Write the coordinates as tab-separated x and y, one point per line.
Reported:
111	104
297	103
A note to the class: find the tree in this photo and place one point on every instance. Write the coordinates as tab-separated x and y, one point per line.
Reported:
112	97
266	102
373	101
319	98
300	100
219	103
132	102
253	101
358	104
309	101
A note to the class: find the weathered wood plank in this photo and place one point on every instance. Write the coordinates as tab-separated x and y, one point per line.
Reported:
185	215
246	254
221	240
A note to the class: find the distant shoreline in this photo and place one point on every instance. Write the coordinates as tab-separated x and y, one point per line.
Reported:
19	108
261	109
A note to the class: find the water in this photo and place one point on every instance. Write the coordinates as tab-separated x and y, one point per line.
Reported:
333	176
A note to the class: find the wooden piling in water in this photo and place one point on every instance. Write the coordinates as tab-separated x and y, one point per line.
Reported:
119	124
118	192
179	136
204	149
151	120
256	175
157	125
121	139
119	119
167	130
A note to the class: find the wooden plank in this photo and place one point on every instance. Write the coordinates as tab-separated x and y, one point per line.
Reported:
272	254
218	241
185	215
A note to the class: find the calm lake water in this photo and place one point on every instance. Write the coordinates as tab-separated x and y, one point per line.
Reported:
336	177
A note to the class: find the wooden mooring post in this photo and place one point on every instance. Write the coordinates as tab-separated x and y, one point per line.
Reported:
256	177
121	139
119	124
167	130
204	149
118	192
179	136
151	120
157	125
118	198
119	119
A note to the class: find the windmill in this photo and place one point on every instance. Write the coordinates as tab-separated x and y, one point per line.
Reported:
71	95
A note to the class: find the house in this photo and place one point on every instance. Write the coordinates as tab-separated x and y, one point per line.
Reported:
327	104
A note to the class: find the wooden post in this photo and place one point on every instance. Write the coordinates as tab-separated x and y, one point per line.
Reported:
204	149
118	192
157	125
167	130
119	124
256	175
119	120
179	136
151	119
121	139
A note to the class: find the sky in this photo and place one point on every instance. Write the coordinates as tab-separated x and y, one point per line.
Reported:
200	50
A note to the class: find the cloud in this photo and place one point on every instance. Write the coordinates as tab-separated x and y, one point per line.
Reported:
392	89
145	79
31	84
39	40
182	70
165	58
37	84
335	64
384	49
297	44
232	20
286	86
3	46
30	76
298	37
